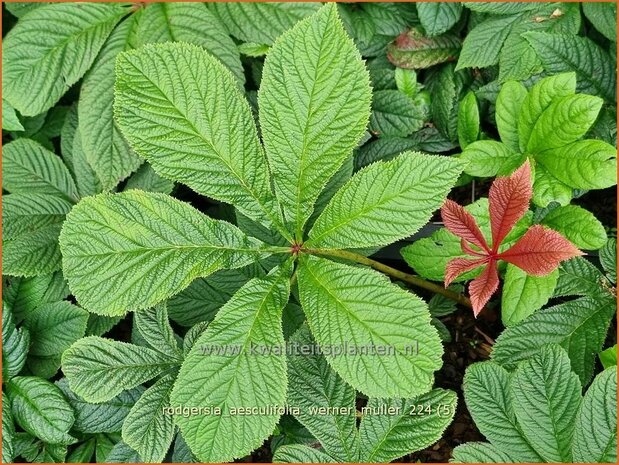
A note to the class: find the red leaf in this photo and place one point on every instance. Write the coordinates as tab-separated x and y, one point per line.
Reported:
461	223
509	200
457	266
482	287
539	251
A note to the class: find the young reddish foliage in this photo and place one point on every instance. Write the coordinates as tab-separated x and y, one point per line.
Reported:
538	252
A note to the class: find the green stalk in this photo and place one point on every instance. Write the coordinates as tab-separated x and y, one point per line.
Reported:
397	274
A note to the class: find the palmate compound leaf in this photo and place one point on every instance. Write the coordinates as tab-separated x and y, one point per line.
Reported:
99	369
326	403
50	49
388	348
595	435
132	250
182	110
313	110
239	362
385	201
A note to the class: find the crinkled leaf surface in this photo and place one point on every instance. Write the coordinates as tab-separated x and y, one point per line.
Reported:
524	294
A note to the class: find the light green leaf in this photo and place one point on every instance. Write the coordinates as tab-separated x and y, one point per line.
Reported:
50	49
10	120
499	8
595	435
487	158
99	369
24	295
565	120
313	110
418	424
299	453
541	95
579	326
104	147
105	417
480	452
146	179
8	431
508	106
489	400
26	212
586	164
562	52
32	253
27	167
395	114
437	18
245	369
147	428
326	402
603	17
608	258
154	326
40	409
483	43
341	304
468	120
577	225
162	244
546	397
524	294
548	189
406	82
192	23
15	343
253	50
608	357
198	131
385	201
54	327
122	453
261	22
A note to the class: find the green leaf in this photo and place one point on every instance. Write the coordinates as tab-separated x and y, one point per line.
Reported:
50	49
508	107
523	294
8	431
541	95
26	212
547	189
595	435
40	409
105	417
10	120
546	397
105	149
586	164
54	327
83	453
198	131
245	369
313	110
418	423
480	452
517	60
384	148
395	114
340	303
192	23
385	201
499	8
122	453
602	16
19	9
146	179
154	326
261	22
406	82
487	158
437	18
579	277
483	43
489	400
468	120
27	167
608	258
562	52
32	253
413	50
299	453
99	369
565	120
579	326
445	92
162	243
326	402
577	225
147	428
24	295
608	357
15	343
